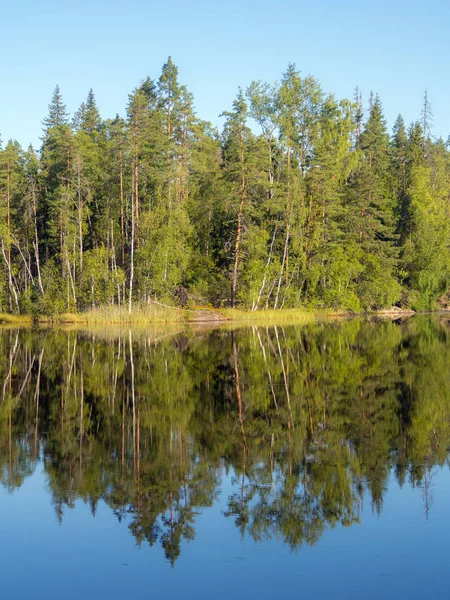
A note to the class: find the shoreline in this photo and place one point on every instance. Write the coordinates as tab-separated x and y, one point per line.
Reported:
201	316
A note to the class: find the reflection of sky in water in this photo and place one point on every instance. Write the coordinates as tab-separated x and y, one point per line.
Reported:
326	414
399	554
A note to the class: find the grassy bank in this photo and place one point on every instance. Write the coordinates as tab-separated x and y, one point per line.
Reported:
160	314
115	315
293	315
157	314
19	320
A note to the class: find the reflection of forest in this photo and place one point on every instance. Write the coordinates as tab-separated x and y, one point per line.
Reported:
305	418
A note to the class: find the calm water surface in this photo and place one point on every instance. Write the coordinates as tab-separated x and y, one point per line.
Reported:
309	462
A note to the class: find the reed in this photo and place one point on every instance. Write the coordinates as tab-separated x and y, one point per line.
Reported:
144	314
20	320
292	315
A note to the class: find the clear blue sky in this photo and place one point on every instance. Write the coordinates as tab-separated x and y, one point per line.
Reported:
396	48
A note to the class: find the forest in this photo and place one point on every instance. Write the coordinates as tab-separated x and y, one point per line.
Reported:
302	200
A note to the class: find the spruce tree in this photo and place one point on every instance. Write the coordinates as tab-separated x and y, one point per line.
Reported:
371	214
56	186
399	176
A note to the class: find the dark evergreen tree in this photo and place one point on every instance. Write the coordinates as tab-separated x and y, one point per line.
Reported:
371	215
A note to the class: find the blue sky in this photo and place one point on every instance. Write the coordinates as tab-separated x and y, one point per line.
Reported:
396	48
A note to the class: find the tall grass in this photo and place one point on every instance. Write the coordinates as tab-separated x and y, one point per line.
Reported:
119	315
154	313
20	320
292	315
159	314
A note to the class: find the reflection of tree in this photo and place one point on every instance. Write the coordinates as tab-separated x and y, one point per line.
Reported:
307	419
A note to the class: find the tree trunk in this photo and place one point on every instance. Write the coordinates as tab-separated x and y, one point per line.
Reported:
11	287
237	250
239	229
122	218
80	219
130	291
8	201
36	241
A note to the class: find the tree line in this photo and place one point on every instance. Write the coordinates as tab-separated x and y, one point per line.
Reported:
301	200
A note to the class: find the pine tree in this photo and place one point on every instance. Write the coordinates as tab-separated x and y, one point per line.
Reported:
237	138
169	103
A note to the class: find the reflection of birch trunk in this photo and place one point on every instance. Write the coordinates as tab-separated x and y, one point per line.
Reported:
25	381
267	368
10	438
8	382
71	369
12	356
116	374
286	383
81	415
36	399
238	392
123	435
244	467
272	456
133	396
308	402
138	445
288	347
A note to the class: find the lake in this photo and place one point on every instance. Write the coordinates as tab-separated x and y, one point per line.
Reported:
260	462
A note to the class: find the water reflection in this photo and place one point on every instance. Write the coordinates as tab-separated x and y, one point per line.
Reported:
307	420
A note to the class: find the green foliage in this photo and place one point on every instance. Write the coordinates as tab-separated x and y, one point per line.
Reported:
164	257
53	301
99	283
298	201
426	252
